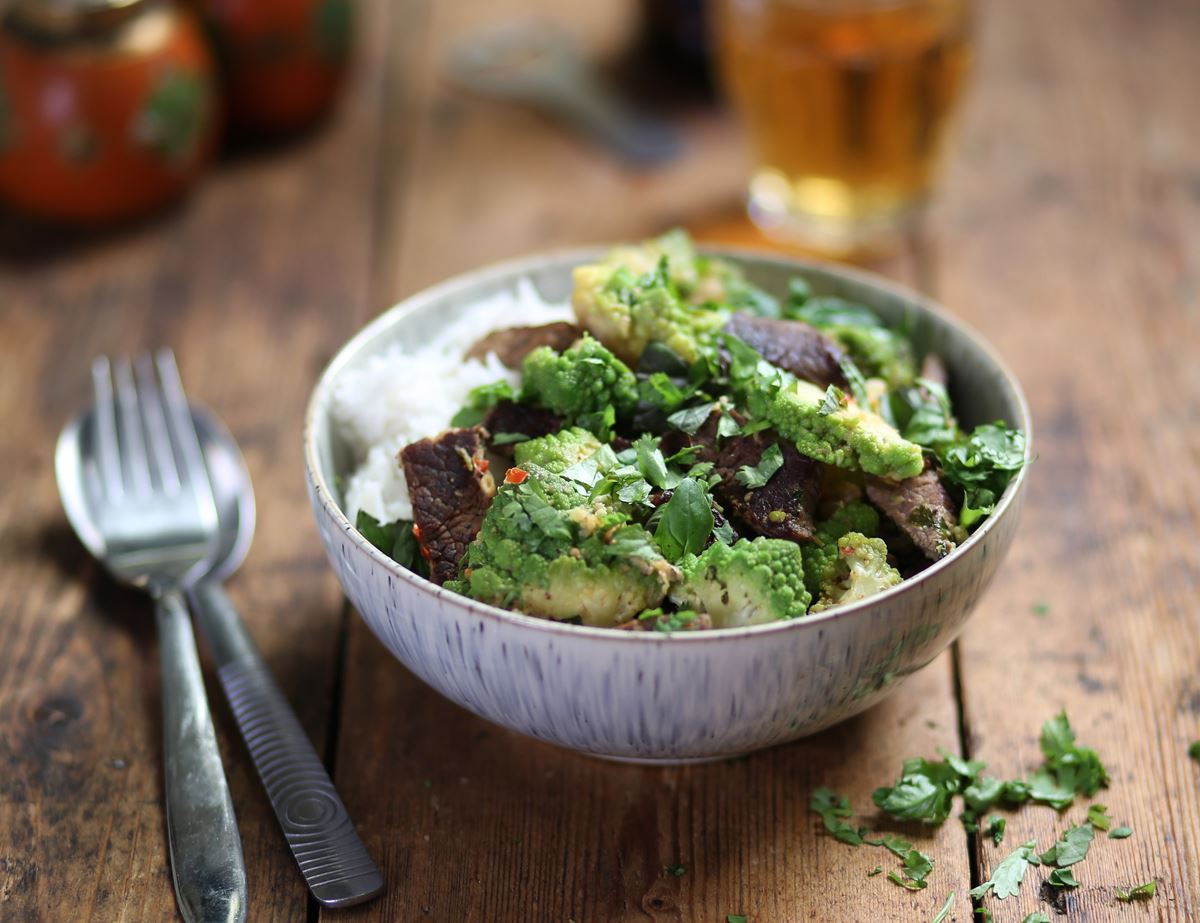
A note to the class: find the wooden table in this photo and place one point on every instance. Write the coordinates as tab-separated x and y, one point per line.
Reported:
1067	229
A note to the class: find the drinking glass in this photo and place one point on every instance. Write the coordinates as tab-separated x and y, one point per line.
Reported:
846	103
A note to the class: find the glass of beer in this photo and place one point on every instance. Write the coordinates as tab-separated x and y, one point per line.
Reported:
846	103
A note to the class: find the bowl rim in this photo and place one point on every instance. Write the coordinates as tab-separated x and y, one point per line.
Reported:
319	401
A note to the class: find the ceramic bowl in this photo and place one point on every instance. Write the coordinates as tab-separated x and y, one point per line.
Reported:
646	696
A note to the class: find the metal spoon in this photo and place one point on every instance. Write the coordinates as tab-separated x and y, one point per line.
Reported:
318	829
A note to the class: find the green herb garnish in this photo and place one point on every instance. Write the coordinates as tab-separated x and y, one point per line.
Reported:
1120	833
1006	879
755	476
1138	893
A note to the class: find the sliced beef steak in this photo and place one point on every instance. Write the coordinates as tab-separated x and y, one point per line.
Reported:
921	508
784	506
513	344
793	346
509	418
451	490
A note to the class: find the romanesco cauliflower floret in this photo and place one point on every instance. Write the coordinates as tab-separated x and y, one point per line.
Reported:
823	424
862	570
848	437
558	451
746	583
587	384
546	550
637	295
820	555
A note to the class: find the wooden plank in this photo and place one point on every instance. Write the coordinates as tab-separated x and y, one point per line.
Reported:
1070	234
474	822
253	282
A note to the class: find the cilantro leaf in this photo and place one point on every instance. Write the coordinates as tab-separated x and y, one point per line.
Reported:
1069	768
981	465
875	871
856	381
395	539
735	918
677	870
995	829
910	884
727	426
897	846
652	465
1007	876
1098	817
1072	848
835	400
686	521
1120	833
1040	608
945	911
755	476
1062	878
1036	917
1138	893
832	807
925	789
1194	751
690	419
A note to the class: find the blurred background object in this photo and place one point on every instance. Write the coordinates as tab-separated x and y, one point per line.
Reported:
108	108
676	33
537	63
846	103
282	61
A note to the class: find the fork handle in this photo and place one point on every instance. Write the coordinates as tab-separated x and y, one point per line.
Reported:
206	851
332	858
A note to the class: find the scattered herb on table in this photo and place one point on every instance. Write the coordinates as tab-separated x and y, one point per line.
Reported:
917	867
832	807
735	918
1098	816
1062	878
1072	848
875	871
677	870
1040	608
945	911
1007	876
1194	750
995	829
1120	833
1036	917
1139	893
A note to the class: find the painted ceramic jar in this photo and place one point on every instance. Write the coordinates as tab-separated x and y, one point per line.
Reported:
283	61
108	108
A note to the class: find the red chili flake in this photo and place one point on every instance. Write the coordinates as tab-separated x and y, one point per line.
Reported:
416	532
515	476
481	465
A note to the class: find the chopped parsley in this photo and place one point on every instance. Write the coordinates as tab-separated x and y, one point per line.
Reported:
1040	608
1072	848
981	465
677	870
755	476
1098	817
995	829
1194	750
395	539
1138	893
1062	878
832	807
735	918
875	871
835	400
1036	917
1120	833
945	911
480	400
1007	876
690	419
917	867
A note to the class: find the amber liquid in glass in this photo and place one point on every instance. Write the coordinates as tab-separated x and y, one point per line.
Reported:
846	103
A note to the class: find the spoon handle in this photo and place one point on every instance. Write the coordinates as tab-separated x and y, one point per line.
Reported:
318	829
206	851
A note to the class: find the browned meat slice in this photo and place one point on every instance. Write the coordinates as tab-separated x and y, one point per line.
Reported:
934	369
451	490
793	346
923	510
784	506
508	418
513	344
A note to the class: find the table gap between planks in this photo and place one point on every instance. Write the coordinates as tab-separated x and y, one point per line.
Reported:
1067	229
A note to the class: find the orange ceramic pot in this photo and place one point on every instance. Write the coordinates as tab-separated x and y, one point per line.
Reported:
283	60
108	108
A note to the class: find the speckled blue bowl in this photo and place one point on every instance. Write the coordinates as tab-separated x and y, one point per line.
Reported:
651	697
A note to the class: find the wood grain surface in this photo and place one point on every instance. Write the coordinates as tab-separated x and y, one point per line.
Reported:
1066	229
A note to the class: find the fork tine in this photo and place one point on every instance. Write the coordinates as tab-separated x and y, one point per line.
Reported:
105	422
132	443
155	421
181	424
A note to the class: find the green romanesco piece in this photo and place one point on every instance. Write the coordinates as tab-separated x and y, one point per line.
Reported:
747	583
862	570
820	555
587	384
824	424
558	451
548	551
654	292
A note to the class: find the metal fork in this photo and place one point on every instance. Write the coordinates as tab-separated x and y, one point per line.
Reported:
136	490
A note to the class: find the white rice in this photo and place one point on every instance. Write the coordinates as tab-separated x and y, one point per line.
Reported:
399	397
